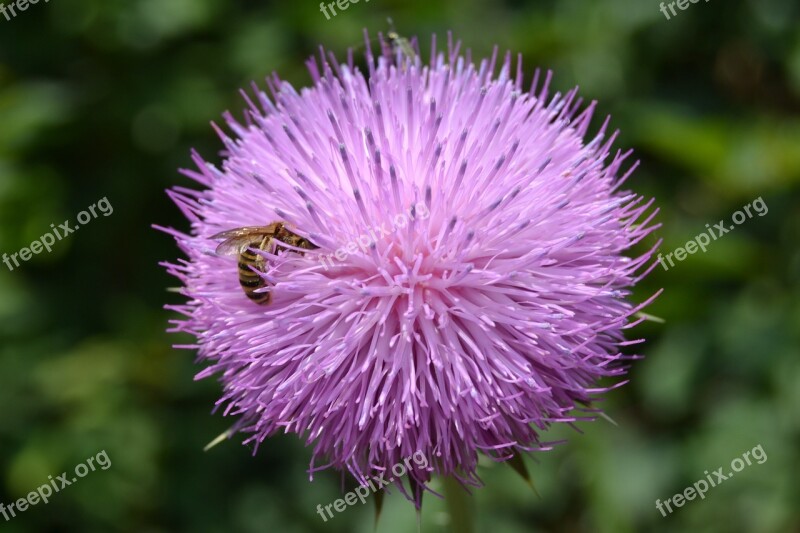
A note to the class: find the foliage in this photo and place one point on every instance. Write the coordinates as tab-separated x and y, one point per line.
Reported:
102	98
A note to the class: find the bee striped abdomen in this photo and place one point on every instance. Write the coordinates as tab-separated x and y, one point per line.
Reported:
250	264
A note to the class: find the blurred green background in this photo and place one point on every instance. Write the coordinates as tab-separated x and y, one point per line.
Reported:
102	98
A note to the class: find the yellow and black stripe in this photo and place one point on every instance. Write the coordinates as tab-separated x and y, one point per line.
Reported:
250	263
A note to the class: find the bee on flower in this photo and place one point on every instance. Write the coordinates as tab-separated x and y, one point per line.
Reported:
466	332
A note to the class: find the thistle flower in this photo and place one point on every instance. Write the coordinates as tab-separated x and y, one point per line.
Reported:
469	285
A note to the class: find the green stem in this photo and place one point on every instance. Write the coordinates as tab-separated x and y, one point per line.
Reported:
460	506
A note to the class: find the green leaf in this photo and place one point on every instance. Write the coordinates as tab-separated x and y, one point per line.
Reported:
518	465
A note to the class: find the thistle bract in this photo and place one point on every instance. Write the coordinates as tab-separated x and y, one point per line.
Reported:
470	285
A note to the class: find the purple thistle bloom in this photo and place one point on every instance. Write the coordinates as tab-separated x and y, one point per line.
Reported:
469	287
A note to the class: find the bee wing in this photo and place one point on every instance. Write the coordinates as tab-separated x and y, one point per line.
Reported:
234	245
236	240
241	232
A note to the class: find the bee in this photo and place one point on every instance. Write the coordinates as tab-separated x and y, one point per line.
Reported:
243	241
